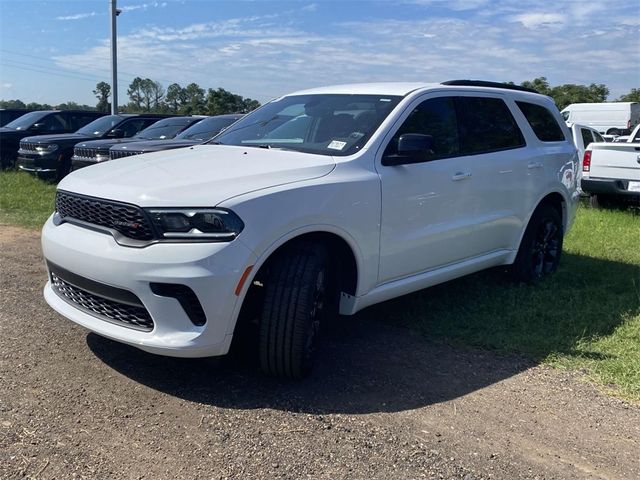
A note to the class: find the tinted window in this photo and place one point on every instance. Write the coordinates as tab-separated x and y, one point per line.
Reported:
53	123
486	125
327	124
167	128
26	120
435	117
100	126
587	138
542	122
598	137
79	120
131	127
207	128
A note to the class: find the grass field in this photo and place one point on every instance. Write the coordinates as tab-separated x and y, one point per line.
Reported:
25	200
586	317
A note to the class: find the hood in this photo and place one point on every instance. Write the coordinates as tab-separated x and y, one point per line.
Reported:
200	176
105	144
58	139
9	133
157	145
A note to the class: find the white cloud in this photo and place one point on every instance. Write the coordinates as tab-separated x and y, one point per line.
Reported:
266	56
143	6
540	19
78	16
6	86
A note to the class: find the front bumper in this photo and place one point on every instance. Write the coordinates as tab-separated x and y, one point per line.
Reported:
211	270
607	186
44	166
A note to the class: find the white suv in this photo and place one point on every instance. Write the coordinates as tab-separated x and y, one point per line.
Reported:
323	201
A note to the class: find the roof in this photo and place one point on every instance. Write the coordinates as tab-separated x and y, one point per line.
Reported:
404	88
383	88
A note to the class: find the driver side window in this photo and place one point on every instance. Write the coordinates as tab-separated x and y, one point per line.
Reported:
435	118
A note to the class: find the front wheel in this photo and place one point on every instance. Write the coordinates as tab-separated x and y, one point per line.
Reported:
541	246
296	297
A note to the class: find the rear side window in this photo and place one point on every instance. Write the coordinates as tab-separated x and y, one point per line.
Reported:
486	125
586	137
542	122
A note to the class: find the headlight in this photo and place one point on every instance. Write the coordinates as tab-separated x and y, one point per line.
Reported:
102	157
46	148
196	224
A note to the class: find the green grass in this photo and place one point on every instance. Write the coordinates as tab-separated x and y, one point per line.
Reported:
25	200
586	317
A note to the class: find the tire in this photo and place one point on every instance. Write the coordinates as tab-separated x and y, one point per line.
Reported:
296	293
541	247
613	131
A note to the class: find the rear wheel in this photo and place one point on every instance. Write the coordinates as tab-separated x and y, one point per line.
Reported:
613	131
541	246
294	308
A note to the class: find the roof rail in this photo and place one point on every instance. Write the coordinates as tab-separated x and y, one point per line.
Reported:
484	83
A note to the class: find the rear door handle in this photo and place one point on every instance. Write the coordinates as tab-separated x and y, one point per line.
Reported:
533	165
461	176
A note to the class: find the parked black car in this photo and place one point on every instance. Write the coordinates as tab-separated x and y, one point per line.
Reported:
10	114
195	135
94	151
49	156
38	123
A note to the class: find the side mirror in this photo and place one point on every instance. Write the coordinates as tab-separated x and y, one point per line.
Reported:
116	133
412	148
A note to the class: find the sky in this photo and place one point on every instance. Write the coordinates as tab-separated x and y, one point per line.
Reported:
56	51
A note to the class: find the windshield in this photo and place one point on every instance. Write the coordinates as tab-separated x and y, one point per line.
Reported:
207	128
164	129
329	124
26	120
100	126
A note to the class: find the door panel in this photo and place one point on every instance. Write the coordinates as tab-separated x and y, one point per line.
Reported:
464	199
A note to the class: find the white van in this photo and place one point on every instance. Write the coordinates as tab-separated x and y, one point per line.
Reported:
617	118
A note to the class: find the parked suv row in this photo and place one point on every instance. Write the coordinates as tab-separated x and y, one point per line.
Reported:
49	156
95	151
40	123
323	201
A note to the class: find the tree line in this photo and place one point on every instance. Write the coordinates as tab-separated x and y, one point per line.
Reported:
146	95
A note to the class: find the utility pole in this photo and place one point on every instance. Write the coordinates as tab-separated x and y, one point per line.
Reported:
114	59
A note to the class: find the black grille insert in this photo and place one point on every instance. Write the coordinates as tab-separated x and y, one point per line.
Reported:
122	153
129	315
85	152
127	219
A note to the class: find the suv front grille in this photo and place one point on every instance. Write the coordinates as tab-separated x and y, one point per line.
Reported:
122	153
132	316
127	219
85	152
28	146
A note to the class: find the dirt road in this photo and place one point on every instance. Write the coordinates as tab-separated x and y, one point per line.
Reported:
383	404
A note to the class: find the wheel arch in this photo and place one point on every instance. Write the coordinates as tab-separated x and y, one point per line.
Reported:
557	201
343	251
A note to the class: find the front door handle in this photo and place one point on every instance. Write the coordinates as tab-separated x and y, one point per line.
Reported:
460	176
533	165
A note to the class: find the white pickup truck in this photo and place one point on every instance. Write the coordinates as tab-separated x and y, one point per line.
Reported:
611	171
